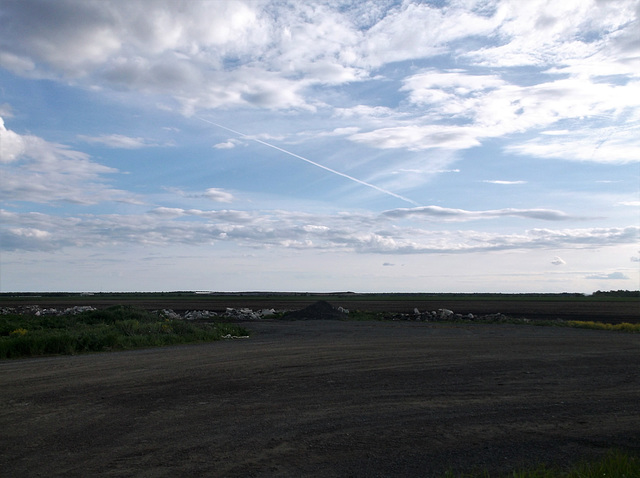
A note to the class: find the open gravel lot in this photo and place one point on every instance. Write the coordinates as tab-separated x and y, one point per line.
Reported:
326	398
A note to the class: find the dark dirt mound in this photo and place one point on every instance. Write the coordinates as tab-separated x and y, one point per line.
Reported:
321	310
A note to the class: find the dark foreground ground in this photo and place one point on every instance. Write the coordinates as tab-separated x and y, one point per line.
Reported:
326	398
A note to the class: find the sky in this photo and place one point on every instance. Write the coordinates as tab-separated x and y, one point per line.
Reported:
383	146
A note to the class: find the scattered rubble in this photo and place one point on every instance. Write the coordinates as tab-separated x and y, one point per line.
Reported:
320	310
38	311
446	315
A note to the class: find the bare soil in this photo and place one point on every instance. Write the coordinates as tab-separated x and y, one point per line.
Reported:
326	398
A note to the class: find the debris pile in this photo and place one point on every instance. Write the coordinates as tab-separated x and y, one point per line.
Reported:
444	315
229	313
38	311
321	310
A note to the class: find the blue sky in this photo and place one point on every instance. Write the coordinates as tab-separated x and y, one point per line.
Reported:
445	146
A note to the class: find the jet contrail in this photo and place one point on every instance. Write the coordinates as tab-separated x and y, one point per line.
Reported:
364	183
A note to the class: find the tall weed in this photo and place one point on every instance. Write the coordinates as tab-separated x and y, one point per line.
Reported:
115	328
623	327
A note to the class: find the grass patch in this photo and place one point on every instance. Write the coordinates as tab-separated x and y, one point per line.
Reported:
115	328
615	464
623	327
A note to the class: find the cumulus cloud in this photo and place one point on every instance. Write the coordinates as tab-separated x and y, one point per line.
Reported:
16	64
229	144
117	141
6	111
503	182
470	108
12	145
26	239
218	195
414	31
416	138
359	233
221	215
213	194
607	145
539	33
610	276
450	214
40	171
267	55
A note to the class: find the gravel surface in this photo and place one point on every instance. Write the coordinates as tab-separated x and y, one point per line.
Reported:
326	398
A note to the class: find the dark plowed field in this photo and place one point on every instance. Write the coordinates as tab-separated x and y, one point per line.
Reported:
326	399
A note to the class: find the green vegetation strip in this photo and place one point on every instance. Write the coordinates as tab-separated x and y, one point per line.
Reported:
115	328
623	327
615	464
361	315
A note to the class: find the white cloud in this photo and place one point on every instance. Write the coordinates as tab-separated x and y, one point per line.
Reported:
212	194
39	171
6	111
367	112
541	33
164	226
503	182
412	31
117	141
12	145
265	55
610	145
416	138
218	195
16	64
610	276
344	131
476	107
27	239
225	145
229	144
451	92
448	214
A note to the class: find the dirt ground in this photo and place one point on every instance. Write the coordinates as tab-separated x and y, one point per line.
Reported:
326	399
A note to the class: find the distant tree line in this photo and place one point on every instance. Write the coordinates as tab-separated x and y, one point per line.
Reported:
617	293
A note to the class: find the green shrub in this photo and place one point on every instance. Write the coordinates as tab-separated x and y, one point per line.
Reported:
623	327
115	328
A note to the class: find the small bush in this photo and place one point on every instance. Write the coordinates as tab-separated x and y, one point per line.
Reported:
623	327
115	328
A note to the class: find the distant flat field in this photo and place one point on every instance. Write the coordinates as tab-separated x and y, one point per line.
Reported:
326	399
542	306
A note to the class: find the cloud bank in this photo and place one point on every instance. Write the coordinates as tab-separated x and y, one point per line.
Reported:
230	54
